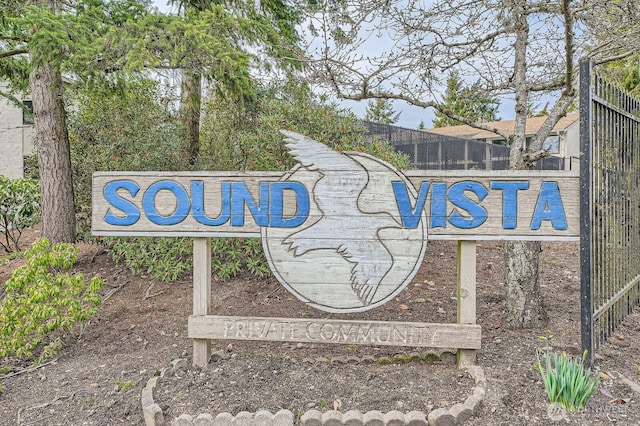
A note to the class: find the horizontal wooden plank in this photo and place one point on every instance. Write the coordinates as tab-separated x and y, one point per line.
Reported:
568	185
507	192
166	203
383	333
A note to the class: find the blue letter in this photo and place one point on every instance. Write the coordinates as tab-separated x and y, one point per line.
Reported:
197	204
182	203
439	205
459	199
240	196
549	207
276	201
410	216
509	201
131	212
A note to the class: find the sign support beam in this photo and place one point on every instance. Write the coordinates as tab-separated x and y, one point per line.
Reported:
201	295
466	295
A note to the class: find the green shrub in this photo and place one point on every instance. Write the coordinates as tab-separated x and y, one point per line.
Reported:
169	258
566	381
30	169
43	304
230	256
19	209
237	136
113	130
165	258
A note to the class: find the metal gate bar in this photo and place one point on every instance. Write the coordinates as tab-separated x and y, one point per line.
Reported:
610	206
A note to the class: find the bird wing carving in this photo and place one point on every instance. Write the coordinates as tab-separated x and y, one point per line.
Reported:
336	195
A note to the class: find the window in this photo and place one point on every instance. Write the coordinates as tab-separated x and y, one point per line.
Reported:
552	144
27	112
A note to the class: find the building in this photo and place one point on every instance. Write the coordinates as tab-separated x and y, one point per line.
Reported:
563	142
17	135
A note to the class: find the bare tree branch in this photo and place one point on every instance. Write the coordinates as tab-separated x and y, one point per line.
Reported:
522	48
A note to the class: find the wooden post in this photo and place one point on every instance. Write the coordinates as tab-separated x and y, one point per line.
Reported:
466	155
201	295
466	295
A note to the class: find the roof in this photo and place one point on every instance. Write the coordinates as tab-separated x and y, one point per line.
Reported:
533	124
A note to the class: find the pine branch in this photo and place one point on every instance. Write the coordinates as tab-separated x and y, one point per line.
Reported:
13	53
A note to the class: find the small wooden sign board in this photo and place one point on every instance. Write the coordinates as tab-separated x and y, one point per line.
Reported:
344	232
375	333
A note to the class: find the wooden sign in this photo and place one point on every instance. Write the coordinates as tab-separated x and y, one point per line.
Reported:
458	205
344	232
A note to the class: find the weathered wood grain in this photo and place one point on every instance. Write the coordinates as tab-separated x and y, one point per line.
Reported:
466	295
491	228
201	295
385	333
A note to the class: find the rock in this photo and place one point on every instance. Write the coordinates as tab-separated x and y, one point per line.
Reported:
204	419
243	418
183	420
332	418
283	418
394	418
441	417
311	418
415	418
352	418
262	418
373	418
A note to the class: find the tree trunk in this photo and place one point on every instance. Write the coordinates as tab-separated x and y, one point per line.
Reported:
191	96
54	158
524	301
521	258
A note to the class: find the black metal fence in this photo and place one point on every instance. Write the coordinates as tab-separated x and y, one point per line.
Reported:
610	206
428	151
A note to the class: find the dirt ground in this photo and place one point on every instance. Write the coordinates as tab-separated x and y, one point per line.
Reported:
142	326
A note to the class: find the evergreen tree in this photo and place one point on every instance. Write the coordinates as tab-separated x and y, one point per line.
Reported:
268	28
466	102
381	111
626	72
41	40
100	41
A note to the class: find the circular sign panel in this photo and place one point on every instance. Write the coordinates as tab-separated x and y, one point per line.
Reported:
352	253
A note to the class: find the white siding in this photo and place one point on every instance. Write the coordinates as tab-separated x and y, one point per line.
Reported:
572	137
16	139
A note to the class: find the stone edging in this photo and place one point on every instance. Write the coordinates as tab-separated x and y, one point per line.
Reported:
369	359
456	415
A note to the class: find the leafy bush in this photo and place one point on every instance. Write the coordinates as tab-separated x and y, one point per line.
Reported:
160	257
169	258
30	169
230	256
43	304
114	130
566	380
237	136
19	209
